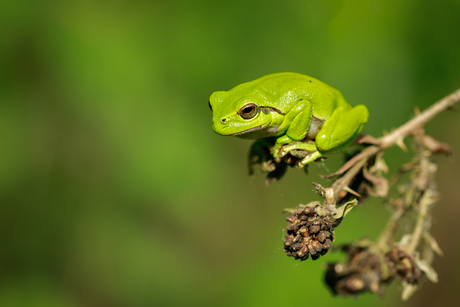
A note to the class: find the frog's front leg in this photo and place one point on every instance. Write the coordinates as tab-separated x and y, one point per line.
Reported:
310	148
279	150
295	124
280	142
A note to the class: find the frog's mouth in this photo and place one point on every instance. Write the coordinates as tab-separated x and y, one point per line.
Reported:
247	131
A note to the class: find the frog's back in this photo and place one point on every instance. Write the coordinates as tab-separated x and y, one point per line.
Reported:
288	85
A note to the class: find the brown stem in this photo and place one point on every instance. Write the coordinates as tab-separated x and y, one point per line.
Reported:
425	203
344	181
424	177
389	140
390	229
420	120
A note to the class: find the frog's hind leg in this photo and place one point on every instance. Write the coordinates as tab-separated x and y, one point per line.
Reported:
341	128
337	132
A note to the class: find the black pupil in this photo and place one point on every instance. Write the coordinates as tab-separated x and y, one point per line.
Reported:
248	109
209	103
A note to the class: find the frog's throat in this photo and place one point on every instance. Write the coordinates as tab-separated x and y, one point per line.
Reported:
258	132
247	131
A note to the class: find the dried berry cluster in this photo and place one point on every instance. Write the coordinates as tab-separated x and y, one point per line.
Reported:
309	233
402	265
361	273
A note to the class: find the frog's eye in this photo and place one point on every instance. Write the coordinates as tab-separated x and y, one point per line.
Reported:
209	103
248	111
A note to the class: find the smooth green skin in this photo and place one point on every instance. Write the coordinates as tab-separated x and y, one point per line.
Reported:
300	111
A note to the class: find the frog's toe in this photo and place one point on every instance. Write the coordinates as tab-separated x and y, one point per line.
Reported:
284	151
275	152
308	147
309	158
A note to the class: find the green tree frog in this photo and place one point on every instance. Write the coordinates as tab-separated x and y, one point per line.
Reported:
301	112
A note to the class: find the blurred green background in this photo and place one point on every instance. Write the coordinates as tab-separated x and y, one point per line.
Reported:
114	191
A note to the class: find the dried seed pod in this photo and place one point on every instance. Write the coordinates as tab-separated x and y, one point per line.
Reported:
314	233
361	273
402	264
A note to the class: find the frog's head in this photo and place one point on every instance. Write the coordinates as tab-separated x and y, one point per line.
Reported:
243	116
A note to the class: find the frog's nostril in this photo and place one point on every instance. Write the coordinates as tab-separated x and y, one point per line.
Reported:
223	120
